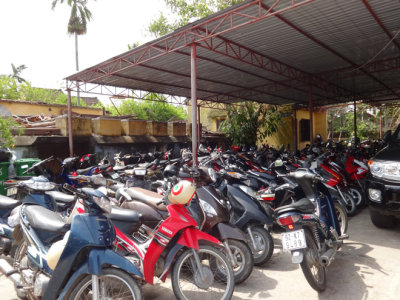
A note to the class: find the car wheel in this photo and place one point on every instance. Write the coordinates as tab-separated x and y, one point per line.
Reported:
382	221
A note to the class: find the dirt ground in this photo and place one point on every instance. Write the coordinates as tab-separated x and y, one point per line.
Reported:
367	267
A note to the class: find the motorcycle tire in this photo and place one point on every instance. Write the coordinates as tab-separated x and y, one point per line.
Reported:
264	238
114	279
312	270
358	196
348	203
244	259
341	215
185	275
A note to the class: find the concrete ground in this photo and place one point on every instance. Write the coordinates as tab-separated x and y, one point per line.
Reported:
367	267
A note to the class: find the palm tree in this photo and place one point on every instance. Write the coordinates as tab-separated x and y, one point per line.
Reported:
77	24
17	73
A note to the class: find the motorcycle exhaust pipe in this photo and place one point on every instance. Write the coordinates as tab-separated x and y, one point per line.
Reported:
10	272
327	257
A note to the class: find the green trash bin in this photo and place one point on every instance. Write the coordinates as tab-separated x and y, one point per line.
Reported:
3	176
21	165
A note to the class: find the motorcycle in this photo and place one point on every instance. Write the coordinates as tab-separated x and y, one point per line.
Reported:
199	267
312	230
81	264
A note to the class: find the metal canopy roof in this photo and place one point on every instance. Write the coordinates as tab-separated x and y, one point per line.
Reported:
271	51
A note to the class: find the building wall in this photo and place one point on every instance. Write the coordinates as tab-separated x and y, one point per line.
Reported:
24	108
319	125
284	135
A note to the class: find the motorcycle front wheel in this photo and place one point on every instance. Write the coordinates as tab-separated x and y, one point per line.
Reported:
264	244
312	270
113	284
188	283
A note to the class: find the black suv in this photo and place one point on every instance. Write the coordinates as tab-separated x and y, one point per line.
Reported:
383	183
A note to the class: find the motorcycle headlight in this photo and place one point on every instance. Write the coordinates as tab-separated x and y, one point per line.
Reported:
104	203
385	169
213	174
207	208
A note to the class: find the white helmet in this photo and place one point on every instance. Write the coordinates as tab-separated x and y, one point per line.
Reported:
182	192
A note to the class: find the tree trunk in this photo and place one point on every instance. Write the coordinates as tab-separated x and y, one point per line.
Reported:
77	65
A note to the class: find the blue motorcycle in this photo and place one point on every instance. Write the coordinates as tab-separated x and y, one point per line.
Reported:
58	260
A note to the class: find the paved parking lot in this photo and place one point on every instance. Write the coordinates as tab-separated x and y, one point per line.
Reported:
367	267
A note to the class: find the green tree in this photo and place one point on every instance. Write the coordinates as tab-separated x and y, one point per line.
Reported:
185	11
250	122
77	23
17	72
6	136
149	110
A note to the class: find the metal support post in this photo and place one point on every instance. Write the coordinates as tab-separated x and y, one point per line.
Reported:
380	123
310	108
355	120
193	82
198	126
70	133
294	128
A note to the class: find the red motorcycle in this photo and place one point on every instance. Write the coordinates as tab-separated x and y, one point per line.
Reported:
199	268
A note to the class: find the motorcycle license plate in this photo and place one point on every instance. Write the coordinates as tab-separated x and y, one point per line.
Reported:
12	191
294	240
115	176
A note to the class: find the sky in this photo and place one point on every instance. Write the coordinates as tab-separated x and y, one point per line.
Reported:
34	35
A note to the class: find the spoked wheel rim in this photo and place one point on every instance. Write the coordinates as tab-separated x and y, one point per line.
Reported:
110	287
215	285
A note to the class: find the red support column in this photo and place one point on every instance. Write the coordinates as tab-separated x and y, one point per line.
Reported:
310	108
355	120
193	82
294	128
380	123
198	126
70	134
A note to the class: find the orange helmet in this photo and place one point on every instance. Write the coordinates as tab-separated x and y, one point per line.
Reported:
182	192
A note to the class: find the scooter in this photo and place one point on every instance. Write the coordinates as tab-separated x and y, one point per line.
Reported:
80	264
248	215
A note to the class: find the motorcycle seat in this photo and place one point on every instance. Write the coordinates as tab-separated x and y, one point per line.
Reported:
303	205
8	203
41	218
122	214
148	197
83	171
61	197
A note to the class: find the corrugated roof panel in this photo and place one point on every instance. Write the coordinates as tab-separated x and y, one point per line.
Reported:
314	39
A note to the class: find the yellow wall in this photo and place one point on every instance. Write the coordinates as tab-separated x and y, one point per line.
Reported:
23	108
209	116
319	125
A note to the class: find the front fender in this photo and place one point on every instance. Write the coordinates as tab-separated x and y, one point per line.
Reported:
227	231
97	258
191	236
